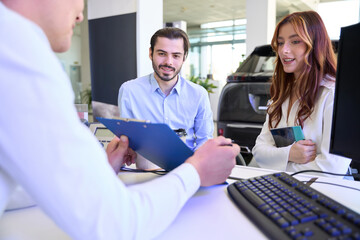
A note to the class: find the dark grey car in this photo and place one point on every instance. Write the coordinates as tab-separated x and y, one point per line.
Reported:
242	103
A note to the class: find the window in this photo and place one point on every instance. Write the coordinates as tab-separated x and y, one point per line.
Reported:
216	49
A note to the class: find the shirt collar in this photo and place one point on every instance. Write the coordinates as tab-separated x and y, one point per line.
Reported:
154	84
328	81
176	89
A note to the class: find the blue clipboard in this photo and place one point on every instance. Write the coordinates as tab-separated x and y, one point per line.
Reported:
156	142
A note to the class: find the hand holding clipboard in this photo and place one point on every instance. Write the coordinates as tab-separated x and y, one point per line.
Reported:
156	142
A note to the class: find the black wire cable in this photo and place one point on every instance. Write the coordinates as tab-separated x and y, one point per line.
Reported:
159	172
334	184
318	171
305	171
331	173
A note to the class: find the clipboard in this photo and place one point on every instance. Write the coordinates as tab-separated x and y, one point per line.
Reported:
157	142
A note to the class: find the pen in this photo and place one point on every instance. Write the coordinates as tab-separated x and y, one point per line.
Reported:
229	144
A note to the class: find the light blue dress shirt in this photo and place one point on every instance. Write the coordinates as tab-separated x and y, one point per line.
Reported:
187	106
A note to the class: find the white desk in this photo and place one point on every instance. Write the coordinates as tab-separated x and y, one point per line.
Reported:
209	214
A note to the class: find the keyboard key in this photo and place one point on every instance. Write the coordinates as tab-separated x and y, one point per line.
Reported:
356	236
292	220
296	213
320	213
275	216
307	217
345	230
270	212
334	232
349	216
282	223
307	232
327	227
253	198
295	235
265	207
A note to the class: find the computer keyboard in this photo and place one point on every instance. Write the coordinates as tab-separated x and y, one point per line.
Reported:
284	208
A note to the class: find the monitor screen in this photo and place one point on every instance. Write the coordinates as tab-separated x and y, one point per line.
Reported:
103	132
345	132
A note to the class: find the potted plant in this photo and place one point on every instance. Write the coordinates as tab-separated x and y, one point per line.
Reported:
86	97
203	82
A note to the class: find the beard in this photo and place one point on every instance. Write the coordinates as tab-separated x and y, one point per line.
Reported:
165	77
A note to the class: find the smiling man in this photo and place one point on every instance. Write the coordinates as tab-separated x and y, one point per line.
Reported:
165	96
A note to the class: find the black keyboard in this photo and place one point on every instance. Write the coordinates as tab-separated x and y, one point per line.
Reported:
284	208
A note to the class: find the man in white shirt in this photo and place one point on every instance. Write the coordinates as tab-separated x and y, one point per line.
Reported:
55	158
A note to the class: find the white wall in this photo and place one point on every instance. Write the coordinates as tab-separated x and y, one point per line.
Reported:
260	25
149	19
107	8
85	53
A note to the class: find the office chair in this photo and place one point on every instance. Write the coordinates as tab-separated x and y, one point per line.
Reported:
240	160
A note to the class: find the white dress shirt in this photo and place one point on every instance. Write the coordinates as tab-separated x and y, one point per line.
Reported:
47	150
317	128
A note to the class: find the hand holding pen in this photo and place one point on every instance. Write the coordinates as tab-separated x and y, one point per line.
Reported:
214	160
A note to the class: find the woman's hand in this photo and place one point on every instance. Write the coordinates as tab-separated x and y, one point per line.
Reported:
302	152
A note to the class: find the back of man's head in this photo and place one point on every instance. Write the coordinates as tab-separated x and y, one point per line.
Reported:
56	18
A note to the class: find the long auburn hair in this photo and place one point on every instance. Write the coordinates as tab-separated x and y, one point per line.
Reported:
320	61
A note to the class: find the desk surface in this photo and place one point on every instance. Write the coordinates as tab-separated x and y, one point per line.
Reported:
209	214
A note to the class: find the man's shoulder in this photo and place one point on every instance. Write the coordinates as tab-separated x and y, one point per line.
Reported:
137	82
193	86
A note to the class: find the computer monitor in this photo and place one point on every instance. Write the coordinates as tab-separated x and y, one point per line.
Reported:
345	131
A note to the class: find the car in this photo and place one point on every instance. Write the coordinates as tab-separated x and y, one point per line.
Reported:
243	100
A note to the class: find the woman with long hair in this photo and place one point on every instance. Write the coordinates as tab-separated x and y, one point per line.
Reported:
302	93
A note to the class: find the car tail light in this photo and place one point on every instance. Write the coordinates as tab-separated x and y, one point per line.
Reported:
221	132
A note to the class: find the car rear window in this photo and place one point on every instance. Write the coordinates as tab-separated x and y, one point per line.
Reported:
257	64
